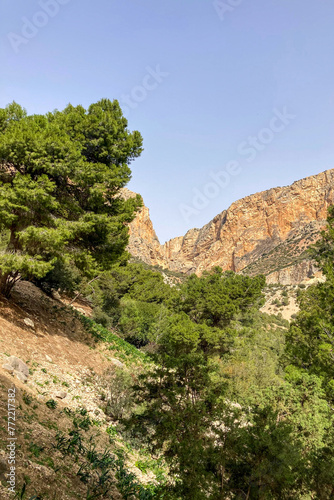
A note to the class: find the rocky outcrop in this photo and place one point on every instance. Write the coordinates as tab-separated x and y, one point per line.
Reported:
295	274
17	367
143	243
242	235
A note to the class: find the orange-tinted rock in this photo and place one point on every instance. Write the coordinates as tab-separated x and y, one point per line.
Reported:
143	243
239	236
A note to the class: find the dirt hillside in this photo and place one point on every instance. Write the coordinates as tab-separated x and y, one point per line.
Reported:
62	395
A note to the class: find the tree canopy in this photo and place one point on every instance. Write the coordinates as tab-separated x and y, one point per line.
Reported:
60	178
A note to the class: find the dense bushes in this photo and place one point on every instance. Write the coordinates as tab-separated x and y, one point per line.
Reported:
139	303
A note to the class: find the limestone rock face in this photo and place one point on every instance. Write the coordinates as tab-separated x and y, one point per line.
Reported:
250	230
295	274
144	243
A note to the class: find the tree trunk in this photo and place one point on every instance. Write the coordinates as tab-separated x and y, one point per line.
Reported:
13	244
7	282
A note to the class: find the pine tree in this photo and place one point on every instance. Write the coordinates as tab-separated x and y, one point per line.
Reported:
60	178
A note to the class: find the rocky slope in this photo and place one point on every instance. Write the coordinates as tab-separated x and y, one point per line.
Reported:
266	232
62	401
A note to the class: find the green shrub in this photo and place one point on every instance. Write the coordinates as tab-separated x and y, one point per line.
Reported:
137	320
27	398
35	449
119	384
52	404
101	318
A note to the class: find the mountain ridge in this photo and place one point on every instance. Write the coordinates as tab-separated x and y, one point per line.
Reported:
240	236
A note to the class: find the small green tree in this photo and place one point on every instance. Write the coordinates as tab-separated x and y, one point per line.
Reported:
137	321
60	177
118	382
216	298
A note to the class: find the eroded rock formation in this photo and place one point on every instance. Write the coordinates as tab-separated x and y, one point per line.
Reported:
273	227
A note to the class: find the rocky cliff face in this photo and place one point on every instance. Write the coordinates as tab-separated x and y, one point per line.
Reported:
265	232
304	271
144	243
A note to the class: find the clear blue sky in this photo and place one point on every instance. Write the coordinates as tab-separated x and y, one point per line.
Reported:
226	75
